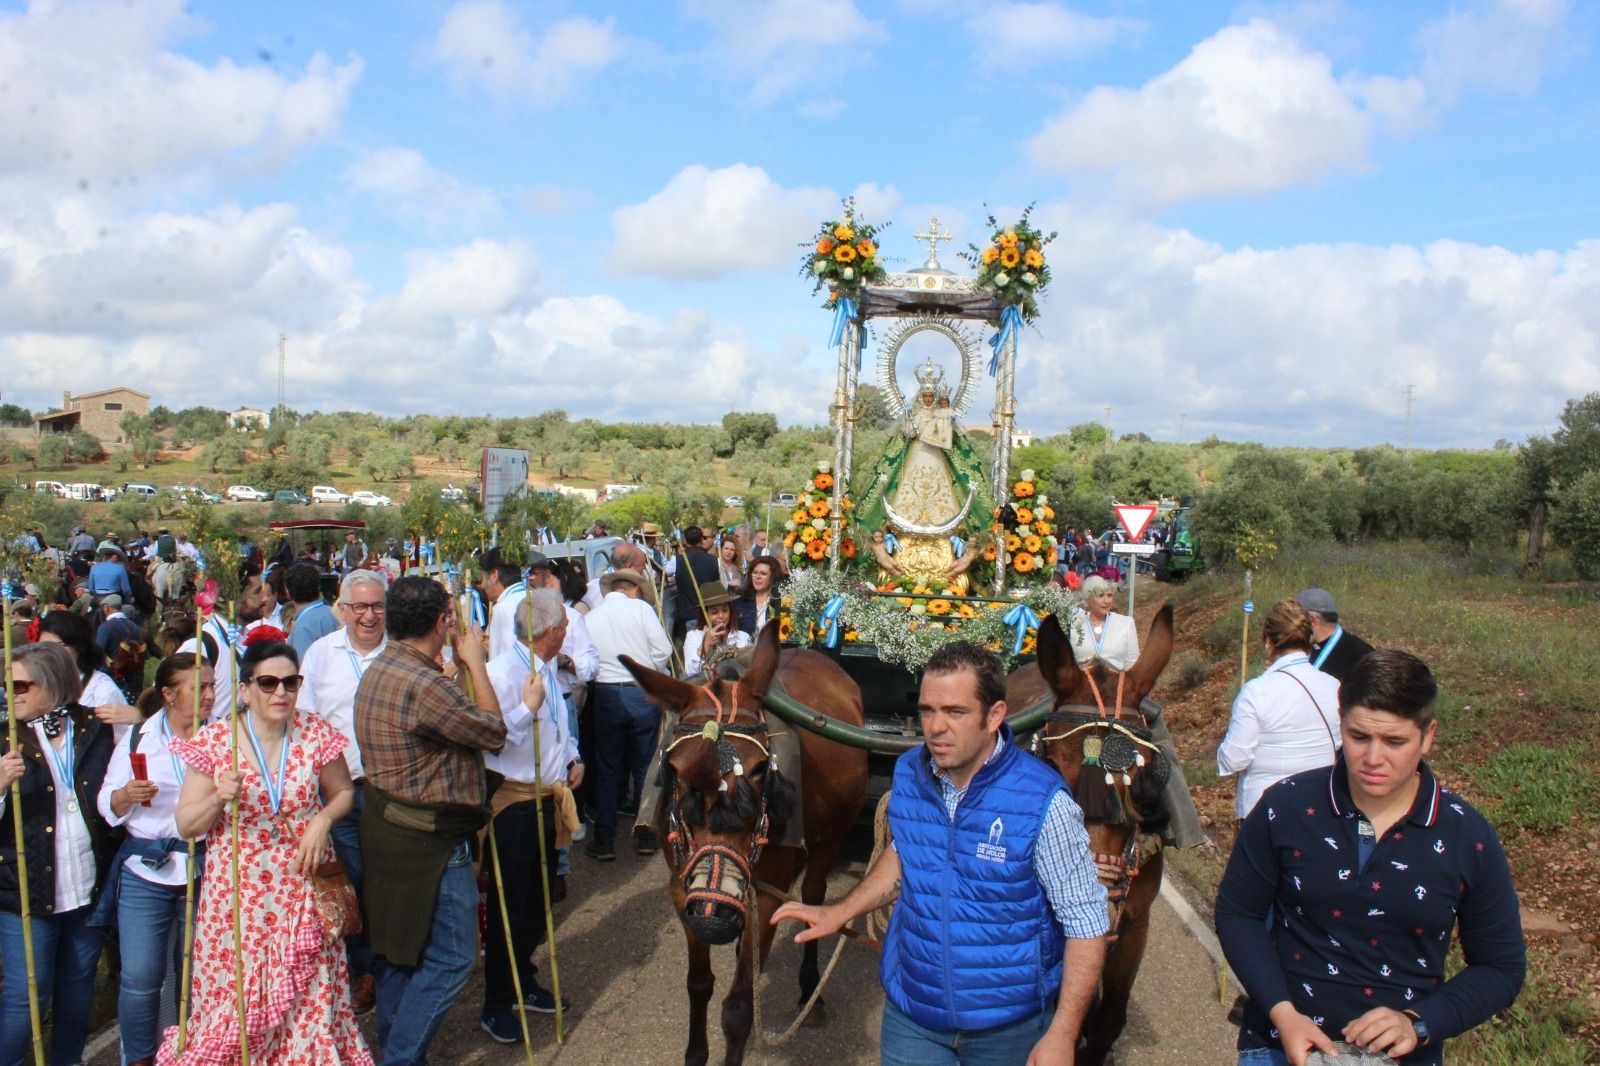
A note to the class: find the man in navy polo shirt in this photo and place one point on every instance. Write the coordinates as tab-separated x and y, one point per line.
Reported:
1366	868
996	946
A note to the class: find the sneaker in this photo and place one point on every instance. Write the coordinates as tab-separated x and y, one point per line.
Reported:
502	1026
645	841
541	1001
601	852
580	833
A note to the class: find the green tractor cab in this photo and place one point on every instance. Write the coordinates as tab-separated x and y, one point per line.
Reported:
1180	556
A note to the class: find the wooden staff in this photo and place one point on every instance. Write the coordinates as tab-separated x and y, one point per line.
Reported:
544	858
188	888
499	881
238	924
22	852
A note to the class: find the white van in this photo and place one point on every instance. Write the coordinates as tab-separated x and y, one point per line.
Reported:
328	494
87	491
54	488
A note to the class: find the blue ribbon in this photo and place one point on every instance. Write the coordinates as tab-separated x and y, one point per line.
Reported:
1010	324
958	544
1020	618
829	622
891	543
844	311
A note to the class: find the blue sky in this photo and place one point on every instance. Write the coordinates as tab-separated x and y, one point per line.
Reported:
1273	218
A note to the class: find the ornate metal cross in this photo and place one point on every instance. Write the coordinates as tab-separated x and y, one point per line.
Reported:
933	237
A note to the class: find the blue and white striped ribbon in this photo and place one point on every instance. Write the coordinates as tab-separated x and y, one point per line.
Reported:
829	622
1020	618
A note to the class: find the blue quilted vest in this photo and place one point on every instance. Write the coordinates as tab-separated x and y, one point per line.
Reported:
973	943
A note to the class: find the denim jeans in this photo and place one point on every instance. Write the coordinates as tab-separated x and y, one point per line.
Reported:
413	1000
1262	1056
346	836
625	725
150	935
905	1043
66	951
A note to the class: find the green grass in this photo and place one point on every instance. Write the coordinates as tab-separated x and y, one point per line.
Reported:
1541	1027
1533	788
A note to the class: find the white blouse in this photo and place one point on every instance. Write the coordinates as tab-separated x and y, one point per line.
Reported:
1276	731
165	770
1116	644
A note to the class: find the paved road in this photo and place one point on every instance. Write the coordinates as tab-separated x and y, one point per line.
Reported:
623	964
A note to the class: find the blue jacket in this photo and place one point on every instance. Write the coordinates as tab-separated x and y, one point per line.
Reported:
973	943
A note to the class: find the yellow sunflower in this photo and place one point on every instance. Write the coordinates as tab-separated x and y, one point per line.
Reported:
799	514
844	232
1013	542
866	249
989	553
1023	562
819	509
845	253
1033	259
1042	528
964	610
788	539
1009	258
785	628
1032	543
1024	516
990	254
1048	512
939	606
807	534
1006	240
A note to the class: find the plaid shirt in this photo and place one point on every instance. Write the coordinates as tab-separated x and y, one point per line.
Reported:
422	738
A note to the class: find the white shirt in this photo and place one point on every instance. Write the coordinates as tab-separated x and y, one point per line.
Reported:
557	748
333	670
503	620
1116	645
736	638
579	647
100	690
165	771
622	625
225	669
1275	731
592	594
74	851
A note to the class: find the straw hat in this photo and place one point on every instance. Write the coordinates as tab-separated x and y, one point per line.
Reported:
647	591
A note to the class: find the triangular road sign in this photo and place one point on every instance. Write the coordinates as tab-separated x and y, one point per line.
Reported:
1135	518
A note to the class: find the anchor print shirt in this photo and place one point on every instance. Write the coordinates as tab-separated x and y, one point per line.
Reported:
1361	925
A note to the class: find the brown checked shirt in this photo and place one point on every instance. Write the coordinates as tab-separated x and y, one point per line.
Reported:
422	738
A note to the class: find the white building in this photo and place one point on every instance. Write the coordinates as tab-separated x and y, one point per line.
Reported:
248	420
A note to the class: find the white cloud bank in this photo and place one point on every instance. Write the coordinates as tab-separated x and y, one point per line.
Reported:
1030	35
483	44
776	47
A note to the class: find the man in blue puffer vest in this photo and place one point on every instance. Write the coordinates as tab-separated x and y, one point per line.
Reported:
995	949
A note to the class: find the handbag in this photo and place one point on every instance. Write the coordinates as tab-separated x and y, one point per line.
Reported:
337	907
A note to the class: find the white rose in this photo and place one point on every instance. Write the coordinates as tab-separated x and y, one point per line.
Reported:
798	549
919	607
819	267
819	523
789	526
1042	499
1030	278
1002	279
1026	475
847	273
824	468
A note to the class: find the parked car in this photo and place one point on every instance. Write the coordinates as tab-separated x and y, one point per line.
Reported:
733	501
54	488
196	494
87	491
245	494
786	499
368	498
290	496
141	490
453	494
328	494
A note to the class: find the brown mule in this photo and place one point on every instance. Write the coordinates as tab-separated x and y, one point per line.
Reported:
1092	707
722	799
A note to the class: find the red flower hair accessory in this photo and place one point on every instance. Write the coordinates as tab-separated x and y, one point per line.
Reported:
265	634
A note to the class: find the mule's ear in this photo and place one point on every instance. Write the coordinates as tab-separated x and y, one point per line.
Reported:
664	691
763	666
1152	657
1056	662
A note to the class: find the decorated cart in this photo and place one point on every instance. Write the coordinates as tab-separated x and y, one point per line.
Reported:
933	539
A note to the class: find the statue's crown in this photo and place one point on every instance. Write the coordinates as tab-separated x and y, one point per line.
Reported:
930	376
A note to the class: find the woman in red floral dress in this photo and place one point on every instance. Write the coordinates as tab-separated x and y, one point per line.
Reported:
296	983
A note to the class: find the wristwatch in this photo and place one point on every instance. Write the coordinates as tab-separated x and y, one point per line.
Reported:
1419	1026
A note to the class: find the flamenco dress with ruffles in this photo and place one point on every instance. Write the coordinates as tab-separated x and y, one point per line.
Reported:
296	983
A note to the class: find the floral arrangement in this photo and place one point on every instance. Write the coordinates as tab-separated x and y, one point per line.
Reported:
1012	265
843	256
808	533
1026	525
908	629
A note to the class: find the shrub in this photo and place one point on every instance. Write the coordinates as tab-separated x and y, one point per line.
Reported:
1189	671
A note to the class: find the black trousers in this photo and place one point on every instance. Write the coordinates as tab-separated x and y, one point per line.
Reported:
517	836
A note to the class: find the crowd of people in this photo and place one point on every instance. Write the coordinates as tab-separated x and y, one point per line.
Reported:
454	743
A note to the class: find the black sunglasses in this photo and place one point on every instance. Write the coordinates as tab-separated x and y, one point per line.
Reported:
269	684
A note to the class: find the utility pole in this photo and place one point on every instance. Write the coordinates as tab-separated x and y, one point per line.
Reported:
1108	425
1410	395
282	362
1183	428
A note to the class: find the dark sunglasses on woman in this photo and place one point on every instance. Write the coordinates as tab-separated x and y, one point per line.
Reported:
269	684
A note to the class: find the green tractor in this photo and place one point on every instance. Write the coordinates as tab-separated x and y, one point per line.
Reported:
1178	557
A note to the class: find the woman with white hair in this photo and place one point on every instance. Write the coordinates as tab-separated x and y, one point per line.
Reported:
1100	634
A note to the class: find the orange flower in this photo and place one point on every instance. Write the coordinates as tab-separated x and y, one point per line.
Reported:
1013	542
989	553
1033	259
965	610
845	253
823	481
990	254
788	539
819	509
799	515
1032	543
939	606
846	504
866	249
1048	512
1009	258
824	245
1024	516
1042	528
1023	562
1050	557
817	549
847	548
833	295
1022	489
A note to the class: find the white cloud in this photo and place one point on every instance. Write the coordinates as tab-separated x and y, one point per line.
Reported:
95	100
483	43
550	199
409	185
1031	34
1248	111
1498	45
710	223
776	46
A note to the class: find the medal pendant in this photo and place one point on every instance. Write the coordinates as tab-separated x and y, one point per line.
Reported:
72	806
275	831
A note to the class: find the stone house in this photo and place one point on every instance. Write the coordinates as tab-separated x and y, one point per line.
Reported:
99	414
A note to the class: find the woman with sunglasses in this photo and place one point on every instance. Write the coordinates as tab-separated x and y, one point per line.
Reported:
100	692
296	982
150	877
61	757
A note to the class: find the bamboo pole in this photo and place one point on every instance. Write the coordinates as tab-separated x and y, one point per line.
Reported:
188	889
238	924
22	852
544	857
1244	638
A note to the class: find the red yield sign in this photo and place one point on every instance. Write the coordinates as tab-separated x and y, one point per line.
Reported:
1135	519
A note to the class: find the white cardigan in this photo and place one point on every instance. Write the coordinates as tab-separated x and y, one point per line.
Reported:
1116	645
1275	731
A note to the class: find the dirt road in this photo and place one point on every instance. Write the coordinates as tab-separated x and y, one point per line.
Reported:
623	963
